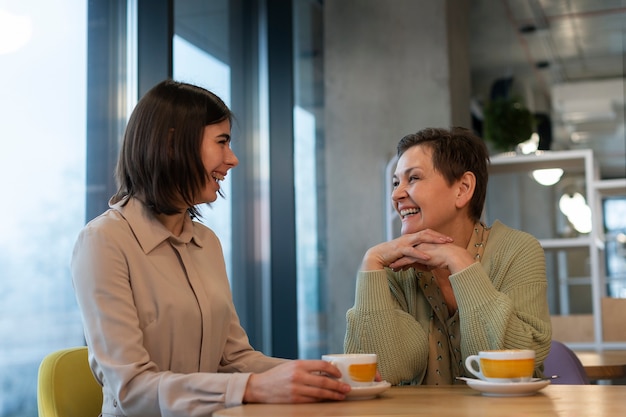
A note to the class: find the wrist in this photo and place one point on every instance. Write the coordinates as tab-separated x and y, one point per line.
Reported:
371	261
248	395
461	262
371	265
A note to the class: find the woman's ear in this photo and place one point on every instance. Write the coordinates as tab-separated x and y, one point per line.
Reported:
465	189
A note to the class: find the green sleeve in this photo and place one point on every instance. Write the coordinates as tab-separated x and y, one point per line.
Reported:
503	300
379	323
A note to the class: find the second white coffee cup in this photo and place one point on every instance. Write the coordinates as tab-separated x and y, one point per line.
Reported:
512	365
357	369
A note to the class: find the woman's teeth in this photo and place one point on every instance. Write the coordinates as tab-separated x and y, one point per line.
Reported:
408	212
217	176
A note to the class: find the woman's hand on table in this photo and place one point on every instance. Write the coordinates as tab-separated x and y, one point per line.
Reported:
298	381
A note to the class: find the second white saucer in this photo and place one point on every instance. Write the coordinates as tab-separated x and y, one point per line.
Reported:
506	389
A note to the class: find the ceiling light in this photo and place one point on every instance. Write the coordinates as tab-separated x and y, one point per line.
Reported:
580	137
548	176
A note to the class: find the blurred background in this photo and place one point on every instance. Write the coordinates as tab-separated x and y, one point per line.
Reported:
322	90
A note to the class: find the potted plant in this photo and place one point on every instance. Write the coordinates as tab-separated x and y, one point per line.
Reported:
507	122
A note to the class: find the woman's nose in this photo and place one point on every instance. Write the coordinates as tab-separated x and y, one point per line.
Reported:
231	158
398	193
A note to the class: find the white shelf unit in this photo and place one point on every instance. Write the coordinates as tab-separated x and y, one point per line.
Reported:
576	162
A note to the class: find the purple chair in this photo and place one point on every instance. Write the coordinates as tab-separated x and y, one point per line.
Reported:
564	363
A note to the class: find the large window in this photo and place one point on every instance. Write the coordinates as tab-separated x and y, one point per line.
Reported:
42	171
65	96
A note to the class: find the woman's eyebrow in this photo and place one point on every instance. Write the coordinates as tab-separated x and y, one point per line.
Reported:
406	171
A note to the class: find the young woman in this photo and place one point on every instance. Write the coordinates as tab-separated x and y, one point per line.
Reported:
163	334
449	286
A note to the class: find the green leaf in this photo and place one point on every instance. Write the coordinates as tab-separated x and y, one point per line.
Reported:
507	122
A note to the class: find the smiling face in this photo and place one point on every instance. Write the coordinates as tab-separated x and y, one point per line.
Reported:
421	195
217	158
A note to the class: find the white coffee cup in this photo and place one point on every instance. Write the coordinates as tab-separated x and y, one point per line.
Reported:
357	369
507	365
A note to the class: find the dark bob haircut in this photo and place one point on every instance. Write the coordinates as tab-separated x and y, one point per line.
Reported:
160	161
455	152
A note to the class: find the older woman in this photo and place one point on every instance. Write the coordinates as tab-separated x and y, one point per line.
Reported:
449	286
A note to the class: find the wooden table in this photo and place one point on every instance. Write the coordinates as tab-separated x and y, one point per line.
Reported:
604	365
456	401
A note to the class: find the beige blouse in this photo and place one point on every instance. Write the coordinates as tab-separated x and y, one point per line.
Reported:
163	334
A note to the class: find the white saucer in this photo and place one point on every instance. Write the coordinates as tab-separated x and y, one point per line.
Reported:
367	393
506	389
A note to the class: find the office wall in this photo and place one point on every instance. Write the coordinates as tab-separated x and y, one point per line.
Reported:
391	68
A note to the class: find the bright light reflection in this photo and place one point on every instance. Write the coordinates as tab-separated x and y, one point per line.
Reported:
531	145
15	31
575	208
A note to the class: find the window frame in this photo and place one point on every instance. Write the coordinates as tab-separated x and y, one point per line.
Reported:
264	290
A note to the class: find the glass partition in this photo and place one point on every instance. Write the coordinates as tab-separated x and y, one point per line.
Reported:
308	172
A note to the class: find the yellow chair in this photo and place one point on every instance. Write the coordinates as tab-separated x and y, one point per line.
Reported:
66	387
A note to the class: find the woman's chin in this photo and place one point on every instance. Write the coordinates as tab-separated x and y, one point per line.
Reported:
408	228
208	198
406	231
